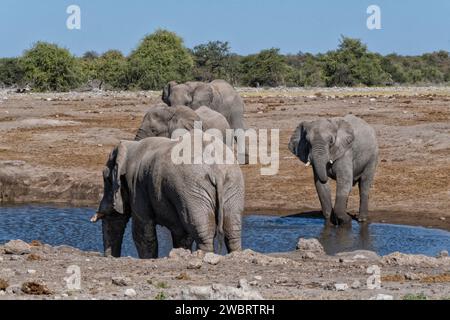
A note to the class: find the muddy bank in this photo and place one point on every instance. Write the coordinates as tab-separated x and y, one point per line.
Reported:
304	274
53	147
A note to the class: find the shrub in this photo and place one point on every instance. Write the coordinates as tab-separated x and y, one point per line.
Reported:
11	72
161	57
50	68
111	69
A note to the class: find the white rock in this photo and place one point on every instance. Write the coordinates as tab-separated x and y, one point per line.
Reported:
17	247
310	245
341	286
259	278
31	271
130	293
212	258
356	284
382	297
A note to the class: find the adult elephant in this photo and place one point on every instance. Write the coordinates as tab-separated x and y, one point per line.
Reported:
218	95
162	120
343	149
195	202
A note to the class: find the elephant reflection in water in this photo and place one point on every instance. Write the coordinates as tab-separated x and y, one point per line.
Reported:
343	239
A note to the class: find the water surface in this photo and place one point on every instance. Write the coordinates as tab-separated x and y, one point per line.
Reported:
71	226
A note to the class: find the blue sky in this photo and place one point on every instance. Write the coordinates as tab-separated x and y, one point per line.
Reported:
408	26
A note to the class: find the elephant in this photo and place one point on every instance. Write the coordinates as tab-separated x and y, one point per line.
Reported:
218	95
344	149
162	120
195	202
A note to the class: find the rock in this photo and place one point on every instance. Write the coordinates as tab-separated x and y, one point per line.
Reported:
120	281
356	284
14	289
35	288
219	292
130	293
442	254
309	256
212	258
358	255
401	259
310	245
341	287
17	247
443	218
179	253
258	278
248	256
412	276
195	264
382	297
31	271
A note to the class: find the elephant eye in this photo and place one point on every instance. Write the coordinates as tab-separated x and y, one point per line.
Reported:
331	140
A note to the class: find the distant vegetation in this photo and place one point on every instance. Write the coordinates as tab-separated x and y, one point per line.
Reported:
162	57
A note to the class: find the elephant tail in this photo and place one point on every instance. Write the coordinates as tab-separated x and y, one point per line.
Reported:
218	180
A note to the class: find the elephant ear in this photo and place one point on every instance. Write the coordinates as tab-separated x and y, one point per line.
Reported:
344	138
119	171
167	91
298	144
203	95
184	118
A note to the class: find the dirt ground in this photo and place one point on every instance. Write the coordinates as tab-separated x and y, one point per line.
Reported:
53	147
302	275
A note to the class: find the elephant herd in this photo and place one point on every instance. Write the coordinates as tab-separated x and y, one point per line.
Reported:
198	202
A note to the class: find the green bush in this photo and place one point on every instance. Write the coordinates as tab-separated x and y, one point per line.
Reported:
161	57
211	61
48	67
11	72
352	64
111	69
267	68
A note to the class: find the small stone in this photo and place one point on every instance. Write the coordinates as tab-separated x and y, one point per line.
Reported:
356	284
179	253
443	218
212	258
309	256
373	100
130	293
310	245
382	297
31	271
17	247
195	264
3	284
14	289
120	281
341	287
64	295
258	278
412	276
442	254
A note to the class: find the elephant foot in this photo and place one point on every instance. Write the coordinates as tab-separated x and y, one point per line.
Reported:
341	220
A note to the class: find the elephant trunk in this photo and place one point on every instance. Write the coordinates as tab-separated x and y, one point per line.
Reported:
113	229
320	162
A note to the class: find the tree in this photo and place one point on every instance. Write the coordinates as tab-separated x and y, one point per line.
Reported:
212	61
352	64
111	69
50	68
161	57
267	68
11	72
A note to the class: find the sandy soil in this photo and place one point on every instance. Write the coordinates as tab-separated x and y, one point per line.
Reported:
44	272
53	147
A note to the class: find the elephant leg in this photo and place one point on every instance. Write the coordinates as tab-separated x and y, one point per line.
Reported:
236	122
145	238
343	189
365	182
180	239
113	229
324	193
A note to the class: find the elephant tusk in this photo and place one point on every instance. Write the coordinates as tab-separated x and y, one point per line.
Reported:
308	164
331	161
96	217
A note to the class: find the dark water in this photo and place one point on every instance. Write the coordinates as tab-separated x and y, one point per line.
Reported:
71	226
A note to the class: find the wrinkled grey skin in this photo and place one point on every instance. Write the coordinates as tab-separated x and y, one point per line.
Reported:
195	202
218	95
162	121
345	150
